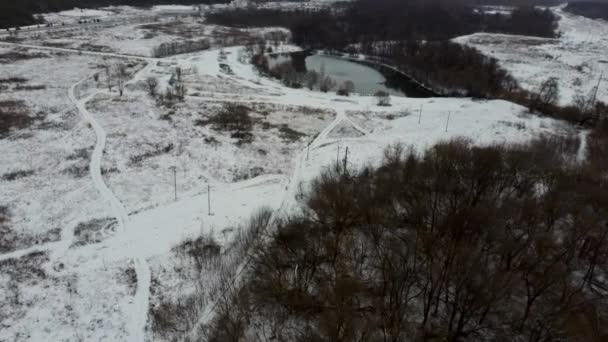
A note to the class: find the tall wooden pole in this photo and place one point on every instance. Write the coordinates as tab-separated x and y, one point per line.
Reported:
209	199
345	160
174	168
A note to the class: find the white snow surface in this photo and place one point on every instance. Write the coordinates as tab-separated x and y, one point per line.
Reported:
577	58
85	13
84	295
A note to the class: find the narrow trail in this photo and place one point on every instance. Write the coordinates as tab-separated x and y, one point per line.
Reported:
139	311
581	154
118	209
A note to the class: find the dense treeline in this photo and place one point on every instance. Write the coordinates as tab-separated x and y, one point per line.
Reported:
20	13
589	9
447	67
518	2
462	243
177	47
527	21
389	20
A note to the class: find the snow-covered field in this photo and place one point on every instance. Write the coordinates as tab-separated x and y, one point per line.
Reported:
94	209
578	57
134	31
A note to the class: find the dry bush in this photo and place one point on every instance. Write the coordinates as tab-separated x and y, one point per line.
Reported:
13	80
13	115
92	231
26	268
14	175
233	118
7	238
14	56
383	98
157	150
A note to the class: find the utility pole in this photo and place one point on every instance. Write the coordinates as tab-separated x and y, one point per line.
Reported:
338	156
307	151
448	121
174	168
420	115
595	90
209	199
345	159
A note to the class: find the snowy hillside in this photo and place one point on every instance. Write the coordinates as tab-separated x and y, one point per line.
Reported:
578	56
102	188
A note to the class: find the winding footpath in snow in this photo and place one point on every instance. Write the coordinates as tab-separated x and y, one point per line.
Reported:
139	311
118	209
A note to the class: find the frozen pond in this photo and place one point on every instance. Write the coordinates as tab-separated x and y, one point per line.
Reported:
368	80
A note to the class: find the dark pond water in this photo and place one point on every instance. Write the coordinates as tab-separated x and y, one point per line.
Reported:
368	78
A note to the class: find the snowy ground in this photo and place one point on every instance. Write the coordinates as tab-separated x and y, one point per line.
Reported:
138	35
577	58
102	193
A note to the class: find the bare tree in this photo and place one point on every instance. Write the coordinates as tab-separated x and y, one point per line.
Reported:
152	83
312	78
178	74
180	91
108	74
327	83
384	99
121	77
346	88
547	95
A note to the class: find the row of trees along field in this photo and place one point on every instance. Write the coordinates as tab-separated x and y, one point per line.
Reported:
461	243
590	9
389	20
24	12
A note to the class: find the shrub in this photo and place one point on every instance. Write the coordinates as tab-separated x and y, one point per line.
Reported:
11	176
13	115
383	98
234	118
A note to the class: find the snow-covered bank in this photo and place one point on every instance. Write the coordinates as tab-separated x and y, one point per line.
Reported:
577	58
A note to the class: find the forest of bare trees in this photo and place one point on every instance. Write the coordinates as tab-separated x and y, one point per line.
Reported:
461	243
591	9
178	47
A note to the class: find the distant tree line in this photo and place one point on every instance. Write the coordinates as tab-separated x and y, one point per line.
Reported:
23	12
448	68
515	3
389	20
589	9
178	47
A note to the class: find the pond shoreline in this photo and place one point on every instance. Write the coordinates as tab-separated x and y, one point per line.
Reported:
382	68
394	78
